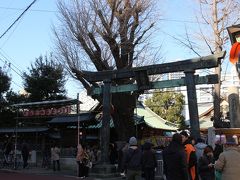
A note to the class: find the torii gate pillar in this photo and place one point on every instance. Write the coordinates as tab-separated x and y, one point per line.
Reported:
105	129
105	169
192	103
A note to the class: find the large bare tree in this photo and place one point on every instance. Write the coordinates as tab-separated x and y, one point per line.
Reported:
218	14
211	36
101	35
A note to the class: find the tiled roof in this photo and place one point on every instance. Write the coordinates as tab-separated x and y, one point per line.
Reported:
153	120
145	115
23	129
73	118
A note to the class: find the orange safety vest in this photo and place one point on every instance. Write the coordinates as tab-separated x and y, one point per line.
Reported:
189	148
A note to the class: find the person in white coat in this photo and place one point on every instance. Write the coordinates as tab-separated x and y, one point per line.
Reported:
55	156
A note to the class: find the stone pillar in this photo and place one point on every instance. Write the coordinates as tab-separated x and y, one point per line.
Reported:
105	129
211	137
104	169
192	103
233	101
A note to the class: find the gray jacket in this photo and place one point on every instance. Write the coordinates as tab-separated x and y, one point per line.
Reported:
199	149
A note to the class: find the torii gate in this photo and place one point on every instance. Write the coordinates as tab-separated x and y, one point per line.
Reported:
141	75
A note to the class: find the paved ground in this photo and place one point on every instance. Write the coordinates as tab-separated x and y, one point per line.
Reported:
38	173
22	176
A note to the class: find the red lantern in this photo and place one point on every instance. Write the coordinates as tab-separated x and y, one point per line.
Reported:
235	53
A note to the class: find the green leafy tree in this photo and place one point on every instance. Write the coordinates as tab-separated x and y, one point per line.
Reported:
14	98
45	81
5	82
6	113
168	105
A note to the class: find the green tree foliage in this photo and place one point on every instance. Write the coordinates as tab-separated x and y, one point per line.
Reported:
14	98
6	114
168	105
5	82
45	81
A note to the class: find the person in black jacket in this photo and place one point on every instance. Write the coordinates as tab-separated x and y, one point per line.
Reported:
122	150
217	150
25	154
113	154
174	160
206	164
149	161
133	160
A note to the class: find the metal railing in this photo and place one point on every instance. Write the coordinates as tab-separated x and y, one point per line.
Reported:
159	169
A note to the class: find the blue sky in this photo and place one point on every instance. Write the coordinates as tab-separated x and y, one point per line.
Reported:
29	38
32	35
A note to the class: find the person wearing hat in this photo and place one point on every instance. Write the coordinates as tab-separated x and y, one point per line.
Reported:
133	160
228	162
191	156
175	160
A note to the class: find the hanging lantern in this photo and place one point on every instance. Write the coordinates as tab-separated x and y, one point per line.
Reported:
234	35
235	53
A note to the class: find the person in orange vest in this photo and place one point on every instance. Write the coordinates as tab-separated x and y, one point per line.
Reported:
191	156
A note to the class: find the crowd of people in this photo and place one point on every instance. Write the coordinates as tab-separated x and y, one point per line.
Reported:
10	156
137	162
21	152
186	160
134	162
183	159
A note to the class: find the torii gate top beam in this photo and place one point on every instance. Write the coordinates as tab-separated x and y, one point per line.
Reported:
210	61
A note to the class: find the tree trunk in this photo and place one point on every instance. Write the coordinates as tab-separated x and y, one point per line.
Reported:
124	104
218	48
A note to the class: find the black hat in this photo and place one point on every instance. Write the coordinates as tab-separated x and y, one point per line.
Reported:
184	133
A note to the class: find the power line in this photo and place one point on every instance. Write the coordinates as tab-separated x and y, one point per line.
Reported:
17	18
17	84
12	68
20	71
52	11
181	21
36	10
14	71
10	34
